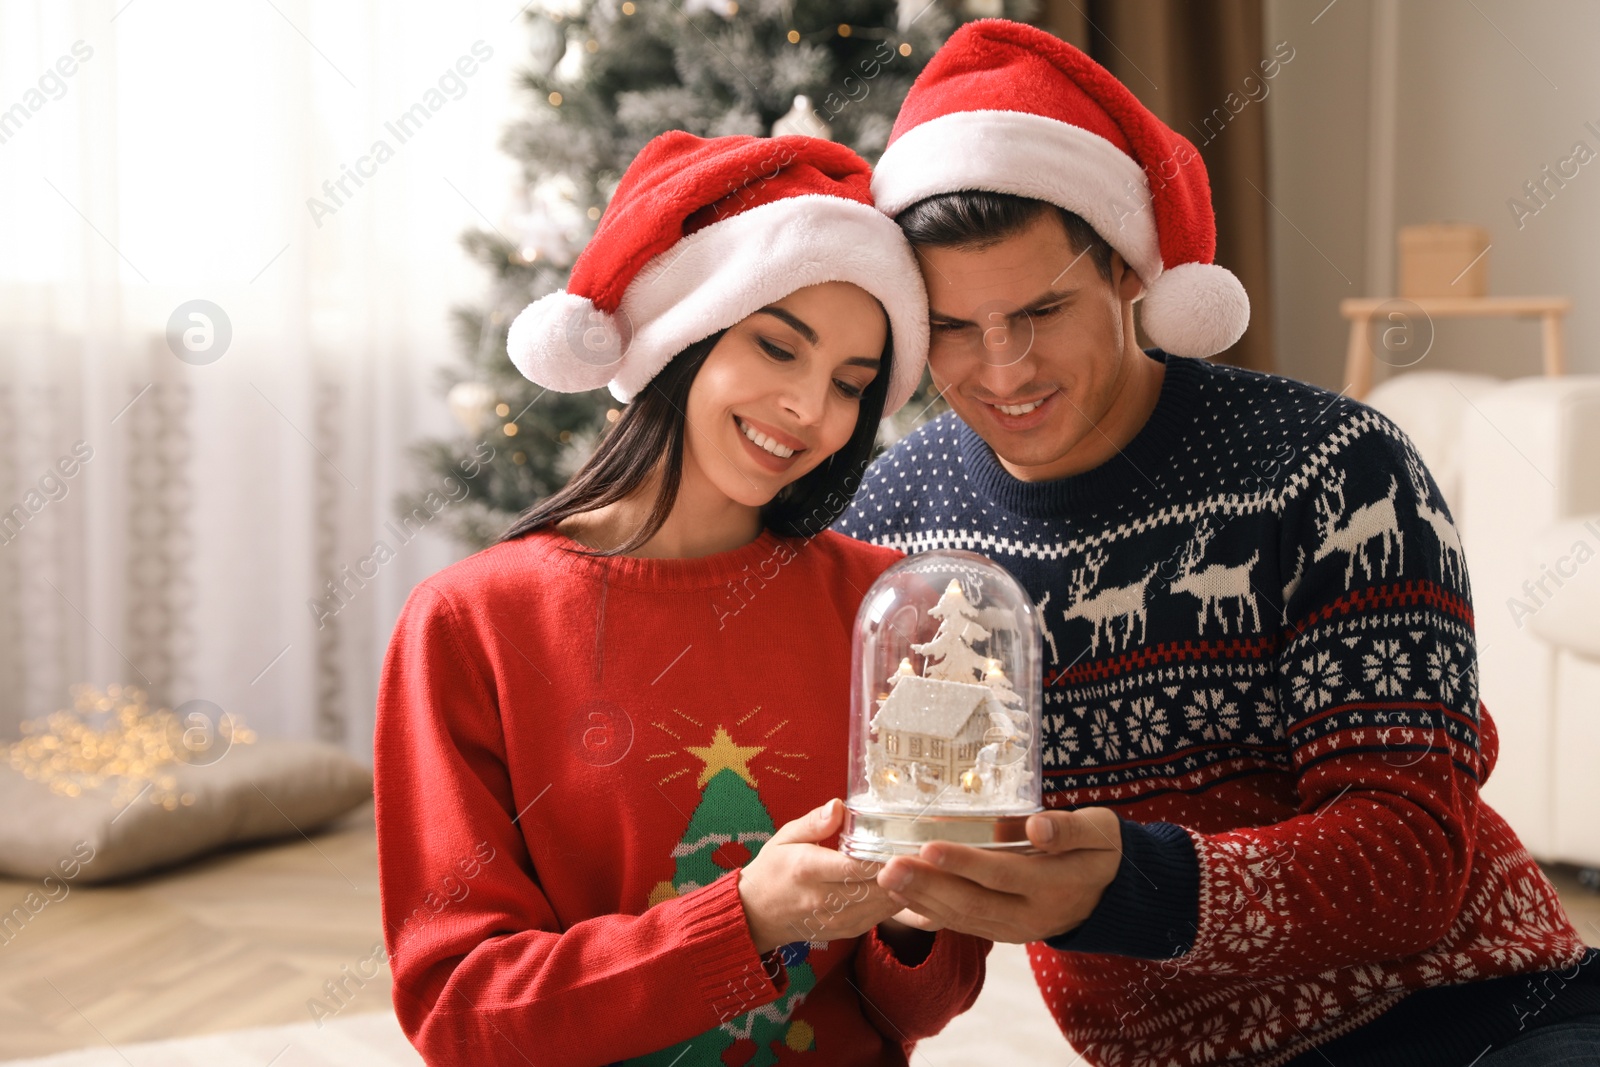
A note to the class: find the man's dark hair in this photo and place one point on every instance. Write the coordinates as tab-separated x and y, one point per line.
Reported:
976	219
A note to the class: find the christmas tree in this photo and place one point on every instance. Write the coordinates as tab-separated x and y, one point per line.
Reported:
994	677
726	831
603	77
951	655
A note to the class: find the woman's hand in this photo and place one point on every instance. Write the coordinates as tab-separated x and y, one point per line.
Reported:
796	890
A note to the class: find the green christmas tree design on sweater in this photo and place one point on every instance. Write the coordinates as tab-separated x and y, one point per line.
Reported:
726	830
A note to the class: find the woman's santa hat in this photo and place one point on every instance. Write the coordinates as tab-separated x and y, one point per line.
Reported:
1007	108
701	234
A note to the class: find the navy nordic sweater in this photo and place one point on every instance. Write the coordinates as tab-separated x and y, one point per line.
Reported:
1259	650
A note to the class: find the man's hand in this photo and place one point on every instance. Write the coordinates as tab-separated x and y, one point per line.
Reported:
1005	896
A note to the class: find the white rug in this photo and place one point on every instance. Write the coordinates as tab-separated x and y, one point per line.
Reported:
1008	1024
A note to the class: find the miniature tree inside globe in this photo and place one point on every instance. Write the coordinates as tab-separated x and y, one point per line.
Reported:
944	740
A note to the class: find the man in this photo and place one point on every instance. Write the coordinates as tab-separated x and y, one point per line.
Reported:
1262	742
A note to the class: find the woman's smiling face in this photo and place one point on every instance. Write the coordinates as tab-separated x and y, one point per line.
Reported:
781	391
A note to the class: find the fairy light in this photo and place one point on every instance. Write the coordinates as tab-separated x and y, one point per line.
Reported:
112	738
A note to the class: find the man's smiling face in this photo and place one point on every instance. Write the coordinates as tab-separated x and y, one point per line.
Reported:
1032	345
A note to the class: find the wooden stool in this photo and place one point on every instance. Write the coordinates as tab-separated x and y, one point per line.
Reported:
1359	356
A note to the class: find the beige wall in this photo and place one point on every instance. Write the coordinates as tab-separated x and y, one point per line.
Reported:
1317	159
1485	95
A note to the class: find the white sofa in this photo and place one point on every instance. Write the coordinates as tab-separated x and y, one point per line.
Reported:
1519	465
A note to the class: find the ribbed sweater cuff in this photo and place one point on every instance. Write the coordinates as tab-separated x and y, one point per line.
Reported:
877	951
726	962
1151	909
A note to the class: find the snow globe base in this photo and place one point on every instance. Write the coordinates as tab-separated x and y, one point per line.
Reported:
878	836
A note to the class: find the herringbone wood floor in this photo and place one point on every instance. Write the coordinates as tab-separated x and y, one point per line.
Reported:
242	939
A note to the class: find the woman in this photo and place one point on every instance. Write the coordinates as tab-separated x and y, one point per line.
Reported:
608	747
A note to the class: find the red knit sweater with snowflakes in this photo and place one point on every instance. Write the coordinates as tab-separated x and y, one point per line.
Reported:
574	758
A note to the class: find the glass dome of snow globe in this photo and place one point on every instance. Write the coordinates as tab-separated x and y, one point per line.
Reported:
945	706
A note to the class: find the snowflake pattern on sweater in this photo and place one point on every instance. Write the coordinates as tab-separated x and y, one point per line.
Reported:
1258	628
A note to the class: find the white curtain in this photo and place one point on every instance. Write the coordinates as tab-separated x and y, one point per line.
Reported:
306	166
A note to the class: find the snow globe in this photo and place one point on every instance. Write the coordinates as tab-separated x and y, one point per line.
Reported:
945	706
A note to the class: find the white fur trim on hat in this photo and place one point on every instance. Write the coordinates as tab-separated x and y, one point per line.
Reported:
563	342
1026	155
721	274
1195	309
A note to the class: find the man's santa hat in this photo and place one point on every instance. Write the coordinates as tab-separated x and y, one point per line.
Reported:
1007	108
701	234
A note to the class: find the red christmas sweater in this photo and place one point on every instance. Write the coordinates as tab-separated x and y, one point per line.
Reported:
574	758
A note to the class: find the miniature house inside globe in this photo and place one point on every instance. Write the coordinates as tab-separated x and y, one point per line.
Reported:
944	740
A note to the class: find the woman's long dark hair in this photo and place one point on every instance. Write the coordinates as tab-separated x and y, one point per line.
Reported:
649	436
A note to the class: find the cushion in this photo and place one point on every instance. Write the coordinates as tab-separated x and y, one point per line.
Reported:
258	791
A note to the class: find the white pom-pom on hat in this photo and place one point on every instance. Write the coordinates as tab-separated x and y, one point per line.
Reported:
1195	309
563	342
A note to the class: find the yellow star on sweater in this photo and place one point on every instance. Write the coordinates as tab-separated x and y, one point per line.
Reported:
723	755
